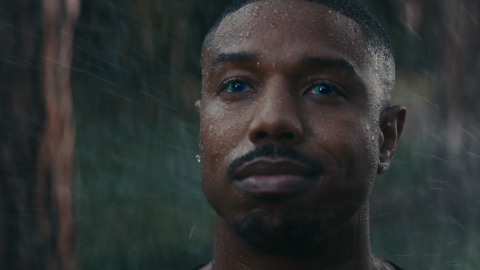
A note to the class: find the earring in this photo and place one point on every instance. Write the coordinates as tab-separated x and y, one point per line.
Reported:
199	158
384	166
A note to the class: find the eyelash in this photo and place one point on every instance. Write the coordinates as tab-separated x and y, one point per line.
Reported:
335	88
226	84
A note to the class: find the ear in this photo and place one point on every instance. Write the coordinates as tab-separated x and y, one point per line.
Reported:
198	105
392	122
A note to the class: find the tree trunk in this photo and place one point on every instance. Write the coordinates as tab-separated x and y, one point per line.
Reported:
36	134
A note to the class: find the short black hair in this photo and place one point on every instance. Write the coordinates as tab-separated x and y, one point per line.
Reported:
376	37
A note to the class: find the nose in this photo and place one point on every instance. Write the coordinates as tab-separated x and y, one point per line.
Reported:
277	117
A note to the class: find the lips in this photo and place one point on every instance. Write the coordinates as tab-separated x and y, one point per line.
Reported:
275	176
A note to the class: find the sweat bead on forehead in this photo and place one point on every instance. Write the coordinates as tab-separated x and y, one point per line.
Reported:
281	30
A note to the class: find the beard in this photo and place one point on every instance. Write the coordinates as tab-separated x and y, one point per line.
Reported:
291	234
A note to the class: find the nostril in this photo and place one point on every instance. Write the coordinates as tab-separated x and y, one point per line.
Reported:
261	135
286	135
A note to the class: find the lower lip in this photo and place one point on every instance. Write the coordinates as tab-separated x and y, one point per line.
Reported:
274	183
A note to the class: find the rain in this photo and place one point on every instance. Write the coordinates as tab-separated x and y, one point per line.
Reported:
135	74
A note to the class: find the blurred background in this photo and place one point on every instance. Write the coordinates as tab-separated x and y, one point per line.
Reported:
135	78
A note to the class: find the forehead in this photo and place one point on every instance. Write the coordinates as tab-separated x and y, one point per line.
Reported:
281	30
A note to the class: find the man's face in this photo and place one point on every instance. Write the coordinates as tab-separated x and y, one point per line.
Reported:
289	118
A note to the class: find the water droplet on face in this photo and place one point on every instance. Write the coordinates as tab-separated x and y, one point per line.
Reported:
248	34
240	35
258	7
199	158
273	25
258	64
276	11
292	19
287	15
268	18
255	14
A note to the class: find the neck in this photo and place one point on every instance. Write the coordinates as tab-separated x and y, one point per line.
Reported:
347	248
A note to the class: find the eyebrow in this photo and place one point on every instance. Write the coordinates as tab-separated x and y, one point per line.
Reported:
234	58
311	61
328	63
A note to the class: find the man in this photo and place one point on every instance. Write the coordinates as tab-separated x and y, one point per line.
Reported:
295	124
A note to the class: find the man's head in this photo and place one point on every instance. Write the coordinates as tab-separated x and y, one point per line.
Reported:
295	118
376	40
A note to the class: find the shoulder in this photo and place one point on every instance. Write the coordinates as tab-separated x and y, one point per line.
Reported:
205	266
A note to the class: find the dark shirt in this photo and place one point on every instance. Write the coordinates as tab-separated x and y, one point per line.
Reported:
392	264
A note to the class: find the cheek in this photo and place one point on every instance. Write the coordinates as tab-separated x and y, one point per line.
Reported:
220	135
351	150
345	147
223	128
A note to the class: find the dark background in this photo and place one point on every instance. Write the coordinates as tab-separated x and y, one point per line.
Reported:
136	75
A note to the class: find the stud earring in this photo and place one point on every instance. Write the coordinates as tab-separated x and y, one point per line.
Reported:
384	166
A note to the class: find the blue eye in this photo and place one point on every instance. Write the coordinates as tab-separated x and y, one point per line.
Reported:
323	89
236	86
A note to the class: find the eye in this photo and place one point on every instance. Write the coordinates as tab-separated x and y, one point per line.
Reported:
323	89
236	86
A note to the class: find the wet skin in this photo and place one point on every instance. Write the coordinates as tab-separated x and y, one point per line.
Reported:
292	77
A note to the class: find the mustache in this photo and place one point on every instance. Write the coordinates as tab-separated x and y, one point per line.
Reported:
275	151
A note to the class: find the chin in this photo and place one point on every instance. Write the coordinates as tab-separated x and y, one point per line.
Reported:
290	234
